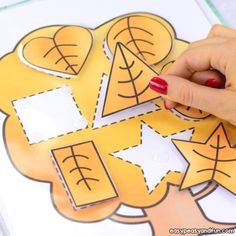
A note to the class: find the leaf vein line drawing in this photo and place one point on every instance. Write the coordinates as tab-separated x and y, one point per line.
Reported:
131	77
44	53
145	52
76	155
57	46
83	178
133	39
130	28
183	117
216	158
129	67
82	168
66	61
100	104
180	112
135	95
71	67
114	90
64	58
223	147
139	40
97	183
220	169
92	179
212	159
145	35
214	170
128	81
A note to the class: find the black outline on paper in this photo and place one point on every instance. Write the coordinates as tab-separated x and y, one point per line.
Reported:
141	141
50	182
63	179
206	191
115	122
152	17
186	117
189	164
62	56
109	81
21	123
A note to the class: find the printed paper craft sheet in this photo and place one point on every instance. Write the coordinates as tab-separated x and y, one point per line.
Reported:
87	147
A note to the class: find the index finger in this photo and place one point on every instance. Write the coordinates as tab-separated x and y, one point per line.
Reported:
221	31
197	59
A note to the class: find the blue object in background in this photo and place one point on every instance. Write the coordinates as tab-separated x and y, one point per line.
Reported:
10	3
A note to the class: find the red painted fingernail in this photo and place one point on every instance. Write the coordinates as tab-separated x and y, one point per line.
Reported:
213	83
159	85
167	108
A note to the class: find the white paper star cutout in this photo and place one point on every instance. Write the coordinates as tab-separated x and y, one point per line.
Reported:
156	155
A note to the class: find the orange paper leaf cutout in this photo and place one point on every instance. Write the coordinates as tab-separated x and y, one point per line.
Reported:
128	83
213	160
148	38
166	67
65	53
190	113
84	174
185	112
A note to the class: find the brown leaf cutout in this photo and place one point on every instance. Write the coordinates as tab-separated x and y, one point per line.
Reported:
63	55
84	174
213	160
128	82
150	39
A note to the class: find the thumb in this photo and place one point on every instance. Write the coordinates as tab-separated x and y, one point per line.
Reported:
188	93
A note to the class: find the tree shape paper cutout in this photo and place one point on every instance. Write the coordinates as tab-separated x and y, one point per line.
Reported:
128	83
150	39
181	210
64	54
213	160
34	161
84	174
190	113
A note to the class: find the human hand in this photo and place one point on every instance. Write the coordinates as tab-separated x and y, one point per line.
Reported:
193	79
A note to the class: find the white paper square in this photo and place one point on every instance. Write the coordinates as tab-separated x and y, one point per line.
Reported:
50	114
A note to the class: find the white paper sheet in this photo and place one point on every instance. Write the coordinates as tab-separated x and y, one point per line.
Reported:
43	115
27	202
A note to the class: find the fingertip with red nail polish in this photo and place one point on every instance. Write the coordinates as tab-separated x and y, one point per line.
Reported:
159	85
213	83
